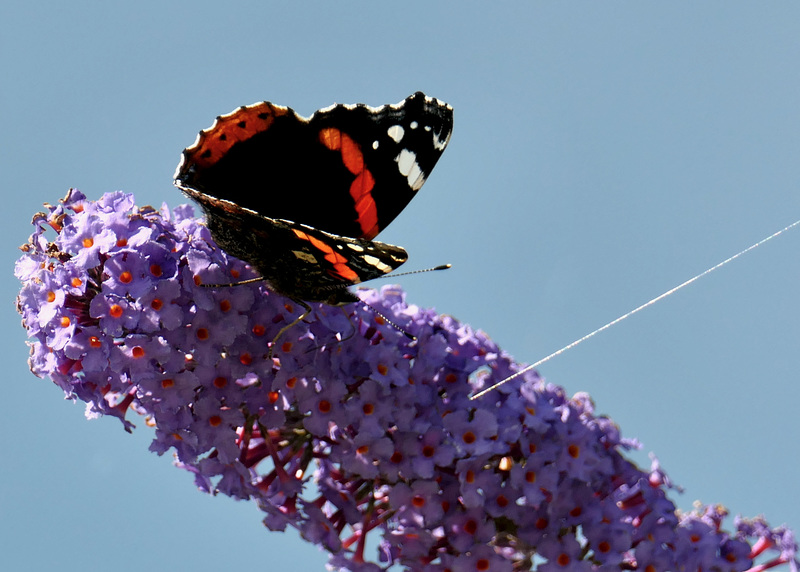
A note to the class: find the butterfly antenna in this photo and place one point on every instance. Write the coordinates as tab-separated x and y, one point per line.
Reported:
388	320
393	275
397	327
262	279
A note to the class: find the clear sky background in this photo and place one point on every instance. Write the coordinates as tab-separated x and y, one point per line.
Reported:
602	153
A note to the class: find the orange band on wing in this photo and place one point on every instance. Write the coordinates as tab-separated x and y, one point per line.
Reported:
339	262
362	185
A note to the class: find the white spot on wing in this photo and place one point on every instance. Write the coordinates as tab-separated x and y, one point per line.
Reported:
372	261
406	161
356	247
407	164
375	144
440	144
414	125
416	178
396	133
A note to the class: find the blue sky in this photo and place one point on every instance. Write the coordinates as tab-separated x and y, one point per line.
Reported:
602	153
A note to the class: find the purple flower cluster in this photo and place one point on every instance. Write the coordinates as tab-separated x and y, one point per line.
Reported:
348	426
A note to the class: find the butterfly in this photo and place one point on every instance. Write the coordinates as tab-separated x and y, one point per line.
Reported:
301	199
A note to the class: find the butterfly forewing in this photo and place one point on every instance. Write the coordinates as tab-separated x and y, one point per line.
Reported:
269	159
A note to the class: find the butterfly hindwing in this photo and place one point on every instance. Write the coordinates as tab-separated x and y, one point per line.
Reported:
297	260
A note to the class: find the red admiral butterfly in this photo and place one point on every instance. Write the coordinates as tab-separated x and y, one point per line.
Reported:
301	199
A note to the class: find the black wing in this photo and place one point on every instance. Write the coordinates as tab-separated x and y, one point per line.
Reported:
348	169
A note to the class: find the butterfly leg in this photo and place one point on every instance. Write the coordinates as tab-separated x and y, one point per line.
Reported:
302	317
